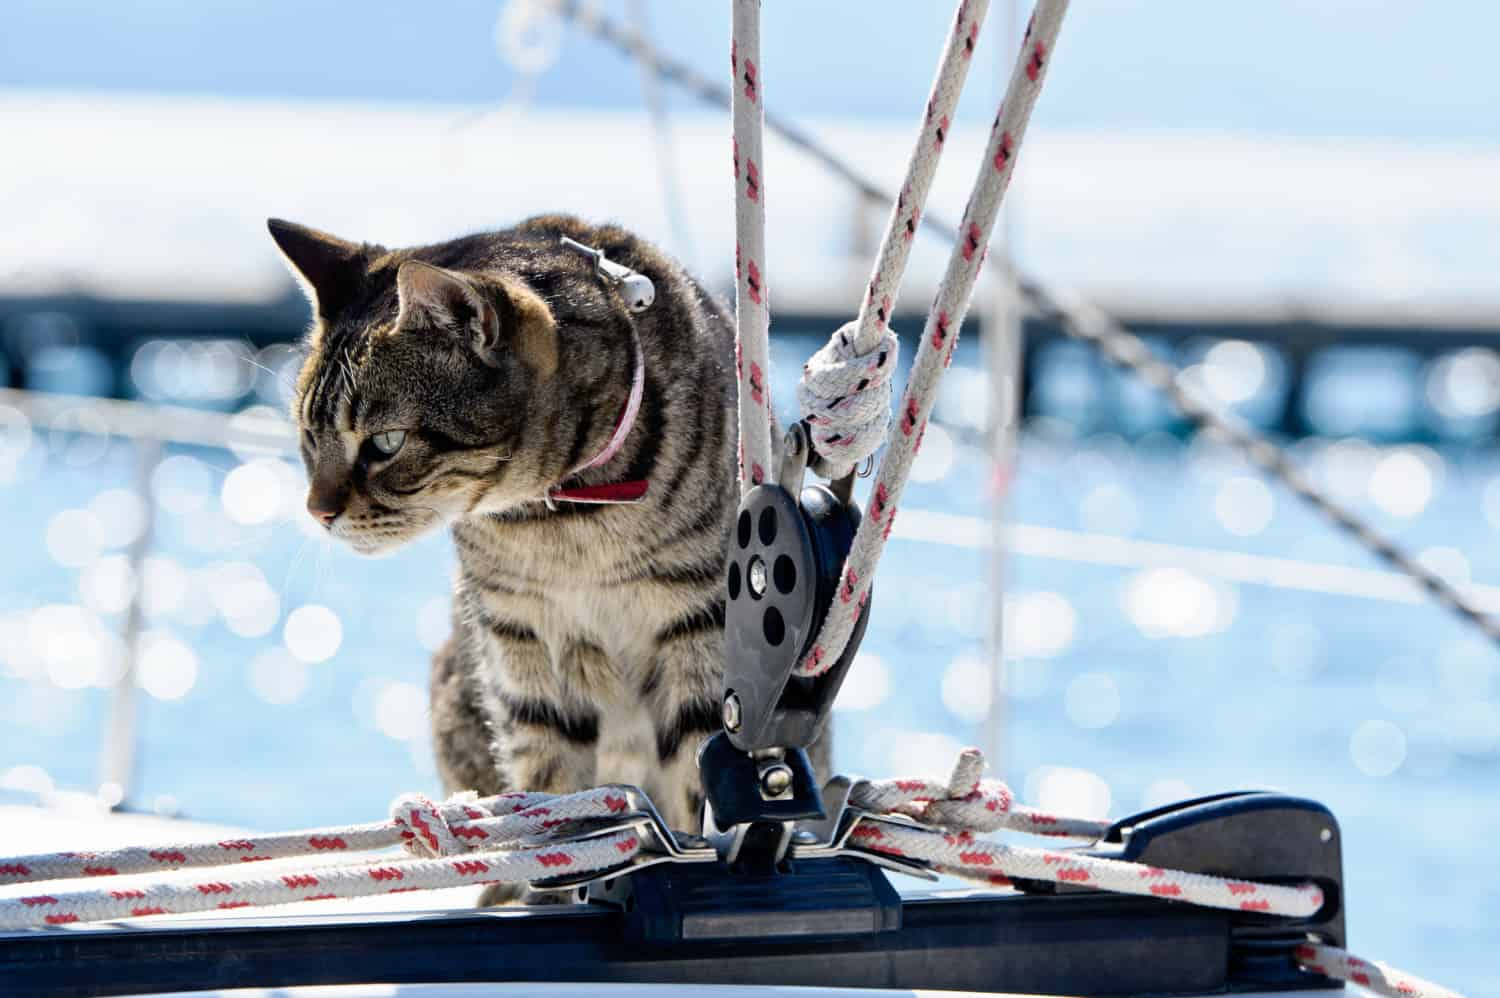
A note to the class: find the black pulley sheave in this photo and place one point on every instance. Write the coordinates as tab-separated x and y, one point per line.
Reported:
785	558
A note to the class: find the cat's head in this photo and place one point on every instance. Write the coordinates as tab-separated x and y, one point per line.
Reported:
413	400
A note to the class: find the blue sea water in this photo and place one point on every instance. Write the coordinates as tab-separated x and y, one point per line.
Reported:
284	678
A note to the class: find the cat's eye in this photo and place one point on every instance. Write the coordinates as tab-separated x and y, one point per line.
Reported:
388	442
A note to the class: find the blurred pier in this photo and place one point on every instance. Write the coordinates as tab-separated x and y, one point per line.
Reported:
1292	371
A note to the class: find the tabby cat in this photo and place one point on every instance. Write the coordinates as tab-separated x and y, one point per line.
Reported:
458	385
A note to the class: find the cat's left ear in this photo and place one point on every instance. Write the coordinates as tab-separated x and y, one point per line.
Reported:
492	316
328	268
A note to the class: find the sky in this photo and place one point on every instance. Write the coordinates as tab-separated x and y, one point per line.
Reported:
1369	69
1249	155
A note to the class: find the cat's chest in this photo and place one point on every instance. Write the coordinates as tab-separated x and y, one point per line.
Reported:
623	626
621	622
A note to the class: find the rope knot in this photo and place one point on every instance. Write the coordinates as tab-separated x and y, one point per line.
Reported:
425	830
845	397
965	804
971	804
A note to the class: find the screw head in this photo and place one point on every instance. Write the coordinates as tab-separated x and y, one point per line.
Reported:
757	577
732	712
776	780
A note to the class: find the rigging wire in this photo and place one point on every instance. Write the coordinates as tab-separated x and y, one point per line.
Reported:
530	43
655	99
1002	349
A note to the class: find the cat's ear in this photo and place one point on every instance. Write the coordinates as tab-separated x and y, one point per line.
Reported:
328	268
432	296
500	314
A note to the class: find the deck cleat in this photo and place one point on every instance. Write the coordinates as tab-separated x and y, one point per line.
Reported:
659	844
1247	835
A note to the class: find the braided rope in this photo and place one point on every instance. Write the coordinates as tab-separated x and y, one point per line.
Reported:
319	882
468	841
1094	328
966	805
752	313
961	854
966	801
845	392
940	335
426	829
463	841
845	397
1375	977
932	136
951	813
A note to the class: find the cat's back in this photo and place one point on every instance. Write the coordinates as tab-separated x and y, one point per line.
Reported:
641	566
702	322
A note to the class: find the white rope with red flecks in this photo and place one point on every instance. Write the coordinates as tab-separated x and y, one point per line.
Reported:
468	841
1372	975
967	805
1077	319
463	841
940	335
967	801
950	814
845	391
752	311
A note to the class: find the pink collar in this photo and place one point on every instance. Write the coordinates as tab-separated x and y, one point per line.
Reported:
611	492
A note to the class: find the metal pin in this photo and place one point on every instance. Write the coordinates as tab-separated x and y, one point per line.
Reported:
634	287
732	712
776	780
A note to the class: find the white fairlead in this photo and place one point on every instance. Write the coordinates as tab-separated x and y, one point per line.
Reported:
634	287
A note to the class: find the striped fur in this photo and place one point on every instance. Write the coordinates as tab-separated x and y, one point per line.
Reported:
587	642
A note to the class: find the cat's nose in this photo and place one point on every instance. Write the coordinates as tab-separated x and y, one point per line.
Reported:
327	493
325	505
324	516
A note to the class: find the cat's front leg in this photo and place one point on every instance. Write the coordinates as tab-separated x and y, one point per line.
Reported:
461	728
683	688
539	742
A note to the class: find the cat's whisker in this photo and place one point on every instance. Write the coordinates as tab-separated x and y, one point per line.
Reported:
320	571
286	579
284	379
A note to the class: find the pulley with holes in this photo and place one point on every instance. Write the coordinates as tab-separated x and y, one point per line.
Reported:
785	558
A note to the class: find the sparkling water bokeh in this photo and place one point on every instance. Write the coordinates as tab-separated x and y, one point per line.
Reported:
283	678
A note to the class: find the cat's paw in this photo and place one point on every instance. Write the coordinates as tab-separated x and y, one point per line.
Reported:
573	896
499	894
495	895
